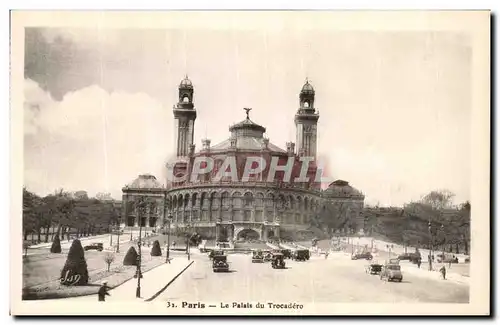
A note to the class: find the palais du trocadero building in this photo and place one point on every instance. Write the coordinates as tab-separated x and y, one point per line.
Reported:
225	209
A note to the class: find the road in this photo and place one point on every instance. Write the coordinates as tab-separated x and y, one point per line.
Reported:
337	279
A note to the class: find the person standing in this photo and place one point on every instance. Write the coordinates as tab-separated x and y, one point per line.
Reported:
443	272
419	261
103	291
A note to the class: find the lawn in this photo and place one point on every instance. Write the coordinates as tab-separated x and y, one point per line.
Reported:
41	273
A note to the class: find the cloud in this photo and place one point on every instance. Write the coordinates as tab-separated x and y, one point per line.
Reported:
92	139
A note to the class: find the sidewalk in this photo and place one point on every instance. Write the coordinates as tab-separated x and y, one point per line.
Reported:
152	282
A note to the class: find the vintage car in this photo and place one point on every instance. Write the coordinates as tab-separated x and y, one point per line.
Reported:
220	264
467	259
362	256
374	268
278	261
447	258
268	256
94	246
257	257
286	253
214	253
301	255
391	272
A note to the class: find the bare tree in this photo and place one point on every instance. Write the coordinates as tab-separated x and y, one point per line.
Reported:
439	200
109	258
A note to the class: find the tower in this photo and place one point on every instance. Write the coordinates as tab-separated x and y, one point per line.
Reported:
306	121
185	115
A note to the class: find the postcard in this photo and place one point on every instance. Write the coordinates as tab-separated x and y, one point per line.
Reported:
250	163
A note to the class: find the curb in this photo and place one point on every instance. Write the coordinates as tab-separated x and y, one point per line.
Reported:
168	284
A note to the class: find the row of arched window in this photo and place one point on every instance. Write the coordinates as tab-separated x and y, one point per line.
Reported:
237	200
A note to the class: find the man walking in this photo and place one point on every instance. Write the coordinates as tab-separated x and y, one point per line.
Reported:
443	272
103	291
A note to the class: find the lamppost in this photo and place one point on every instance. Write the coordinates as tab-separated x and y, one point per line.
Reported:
430	246
141	211
444	242
169	218
118	240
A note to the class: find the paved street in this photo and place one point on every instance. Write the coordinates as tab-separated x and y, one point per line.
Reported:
337	279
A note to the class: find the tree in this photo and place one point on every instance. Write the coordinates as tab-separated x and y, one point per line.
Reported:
439	199
56	245
109	258
75	270
156	249
131	257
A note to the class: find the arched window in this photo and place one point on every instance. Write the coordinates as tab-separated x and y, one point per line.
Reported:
306	104
214	197
237	200
248	199
226	200
194	199
259	200
185	99
270	200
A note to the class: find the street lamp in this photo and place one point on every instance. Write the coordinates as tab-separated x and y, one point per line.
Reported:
444	241
138	274
169	218
430	246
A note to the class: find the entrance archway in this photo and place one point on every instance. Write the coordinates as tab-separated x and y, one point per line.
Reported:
247	234
270	234
223	235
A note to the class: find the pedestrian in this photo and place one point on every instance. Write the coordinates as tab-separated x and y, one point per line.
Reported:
419	261
326	255
443	272
103	291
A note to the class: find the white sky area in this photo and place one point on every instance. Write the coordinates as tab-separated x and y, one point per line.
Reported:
394	106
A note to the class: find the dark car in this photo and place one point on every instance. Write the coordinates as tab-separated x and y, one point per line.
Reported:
94	246
374	268
278	261
301	255
362	256
257	257
286	253
404	257
220	264
214	253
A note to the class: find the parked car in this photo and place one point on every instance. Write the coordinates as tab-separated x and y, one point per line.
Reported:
94	246
214	253
391	272
278	261
220	263
301	255
362	256
447	259
467	259
409	257
257	257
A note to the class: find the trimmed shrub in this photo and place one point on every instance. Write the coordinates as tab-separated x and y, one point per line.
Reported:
56	245
131	257
75	270
156	250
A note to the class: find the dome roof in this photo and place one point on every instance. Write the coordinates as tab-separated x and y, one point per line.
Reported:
145	181
341	188
247	124
186	83
307	88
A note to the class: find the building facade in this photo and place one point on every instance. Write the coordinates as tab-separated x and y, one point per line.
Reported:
227	201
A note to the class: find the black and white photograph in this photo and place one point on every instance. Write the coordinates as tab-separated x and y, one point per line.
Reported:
250	163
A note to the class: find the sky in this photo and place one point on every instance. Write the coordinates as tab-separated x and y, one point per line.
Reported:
394	106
